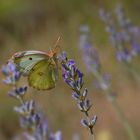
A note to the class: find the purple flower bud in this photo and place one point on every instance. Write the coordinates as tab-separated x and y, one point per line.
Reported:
64	66
25	122
28	136
93	120
8	68
84	123
17	76
76	96
29	121
85	93
8	80
11	66
124	56
56	136
26	109
63	56
12	75
67	74
71	83
79	83
35	118
79	73
71	63
18	92
80	106
73	70
43	129
135	48
87	104
84	106
5	70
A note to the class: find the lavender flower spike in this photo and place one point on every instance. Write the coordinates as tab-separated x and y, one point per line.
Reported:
29	118
91	59
73	77
11	73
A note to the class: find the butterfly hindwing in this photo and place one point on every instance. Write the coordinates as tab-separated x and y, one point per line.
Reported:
43	75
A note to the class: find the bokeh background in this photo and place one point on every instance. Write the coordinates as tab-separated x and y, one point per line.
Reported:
36	25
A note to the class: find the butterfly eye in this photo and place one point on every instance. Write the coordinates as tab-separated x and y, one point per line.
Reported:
30	58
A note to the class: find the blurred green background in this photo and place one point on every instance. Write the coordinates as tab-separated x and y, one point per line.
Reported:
36	25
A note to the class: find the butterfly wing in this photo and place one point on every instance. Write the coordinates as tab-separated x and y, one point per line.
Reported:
26	60
43	75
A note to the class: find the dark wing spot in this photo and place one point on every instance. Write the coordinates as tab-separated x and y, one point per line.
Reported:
30	58
40	73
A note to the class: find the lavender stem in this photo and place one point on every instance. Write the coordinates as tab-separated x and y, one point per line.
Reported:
108	93
124	121
129	130
133	70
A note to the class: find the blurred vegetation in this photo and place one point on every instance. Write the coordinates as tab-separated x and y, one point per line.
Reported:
36	24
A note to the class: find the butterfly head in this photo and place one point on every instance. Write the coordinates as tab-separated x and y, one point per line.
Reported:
55	50
52	53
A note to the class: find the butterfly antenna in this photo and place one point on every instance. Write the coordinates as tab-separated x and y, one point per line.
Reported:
57	41
50	49
57	46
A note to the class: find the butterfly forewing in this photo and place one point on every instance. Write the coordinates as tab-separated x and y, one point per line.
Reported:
26	63
43	75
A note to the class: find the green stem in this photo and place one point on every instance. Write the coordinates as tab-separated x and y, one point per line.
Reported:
21	100
123	120
133	70
91	129
117	109
120	115
92	137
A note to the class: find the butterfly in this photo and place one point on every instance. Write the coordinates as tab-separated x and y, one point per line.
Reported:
40	67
